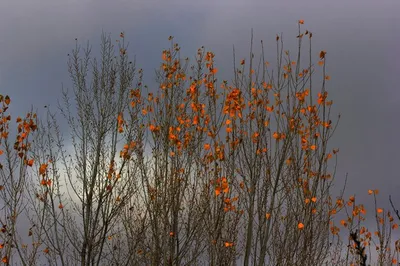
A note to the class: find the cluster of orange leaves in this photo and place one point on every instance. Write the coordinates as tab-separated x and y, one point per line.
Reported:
121	122
229	204
127	150
135	95
221	186
43	172
172	70
359	212
219	153
234	103
25	127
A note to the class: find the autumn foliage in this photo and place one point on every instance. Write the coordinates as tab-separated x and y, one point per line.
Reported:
196	172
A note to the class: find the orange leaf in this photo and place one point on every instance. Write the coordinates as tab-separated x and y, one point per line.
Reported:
301	21
4	259
300	226
379	210
30	162
42	169
196	120
154	128
120	119
344	223
313	199
228	244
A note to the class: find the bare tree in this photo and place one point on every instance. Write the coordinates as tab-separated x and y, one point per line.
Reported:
88	186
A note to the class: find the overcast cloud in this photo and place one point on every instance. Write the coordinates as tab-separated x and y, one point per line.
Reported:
362	39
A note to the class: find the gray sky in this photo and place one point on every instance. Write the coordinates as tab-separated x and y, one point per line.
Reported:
362	39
